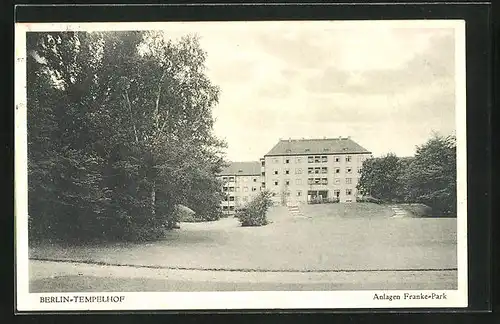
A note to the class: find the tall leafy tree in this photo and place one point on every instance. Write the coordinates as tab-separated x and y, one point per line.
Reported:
381	178
127	117
431	176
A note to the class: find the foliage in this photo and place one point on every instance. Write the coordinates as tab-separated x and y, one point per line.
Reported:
382	178
332	200
369	199
431	177
428	178
254	213
119	133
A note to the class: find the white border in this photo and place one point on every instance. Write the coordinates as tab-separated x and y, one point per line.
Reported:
233	300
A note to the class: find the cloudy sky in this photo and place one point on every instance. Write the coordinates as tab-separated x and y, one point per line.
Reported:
387	86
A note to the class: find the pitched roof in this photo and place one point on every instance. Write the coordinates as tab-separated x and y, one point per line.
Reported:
316	146
242	168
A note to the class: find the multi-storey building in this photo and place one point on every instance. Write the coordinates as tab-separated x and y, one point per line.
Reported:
303	170
241	182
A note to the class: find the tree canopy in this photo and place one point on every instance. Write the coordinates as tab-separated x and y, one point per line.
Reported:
120	131
429	177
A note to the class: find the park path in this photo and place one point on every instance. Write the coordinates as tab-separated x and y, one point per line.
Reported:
48	270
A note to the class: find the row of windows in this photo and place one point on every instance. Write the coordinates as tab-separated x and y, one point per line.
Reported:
236	199
336	193
232	179
317	170
316	159
313	181
237	189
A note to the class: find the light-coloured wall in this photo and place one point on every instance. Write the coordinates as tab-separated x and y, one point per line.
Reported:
242	187
297	177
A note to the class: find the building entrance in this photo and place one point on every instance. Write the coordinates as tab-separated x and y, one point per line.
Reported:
317	195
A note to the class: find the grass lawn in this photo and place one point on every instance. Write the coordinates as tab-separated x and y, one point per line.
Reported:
337	237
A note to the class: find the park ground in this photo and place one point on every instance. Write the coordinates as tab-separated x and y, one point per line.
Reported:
335	247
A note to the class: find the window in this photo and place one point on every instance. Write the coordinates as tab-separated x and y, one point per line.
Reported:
263	163
237	189
231	179
299	193
298	171
288	151
317	159
226	198
349	170
298	160
275	171
310	170
337	170
348	180
263	173
359	169
348	158
287	160
317	180
231	189
316	170
231	198
225	188
287	171
276	161
348	192
298	181
337	181
263	184
310	159
224	178
236	199
307	150
324	170
326	149
310	181
225	208
324	181
337	159
336	193
245	189
287	182
254	179
231	208
275	183
254	189
324	158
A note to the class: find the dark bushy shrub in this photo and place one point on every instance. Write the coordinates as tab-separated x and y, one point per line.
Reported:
324	201
254	213
369	199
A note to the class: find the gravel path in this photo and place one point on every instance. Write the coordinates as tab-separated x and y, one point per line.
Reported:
66	276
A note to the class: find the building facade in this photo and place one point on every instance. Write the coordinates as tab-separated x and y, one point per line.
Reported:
305	170
297	171
241	182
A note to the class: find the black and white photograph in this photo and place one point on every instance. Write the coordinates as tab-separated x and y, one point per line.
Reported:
240	165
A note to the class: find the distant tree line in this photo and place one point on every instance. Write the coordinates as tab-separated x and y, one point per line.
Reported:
120	132
429	177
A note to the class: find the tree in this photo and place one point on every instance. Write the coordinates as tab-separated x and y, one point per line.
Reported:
123	132
431	176
381	178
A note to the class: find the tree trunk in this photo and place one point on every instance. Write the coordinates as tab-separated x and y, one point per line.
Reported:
153	198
